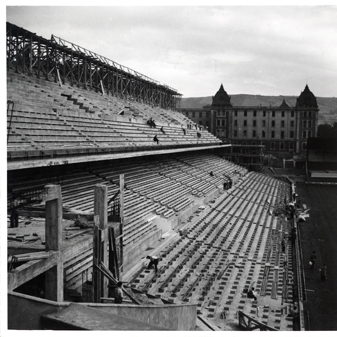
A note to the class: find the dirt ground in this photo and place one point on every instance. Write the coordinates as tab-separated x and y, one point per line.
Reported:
319	233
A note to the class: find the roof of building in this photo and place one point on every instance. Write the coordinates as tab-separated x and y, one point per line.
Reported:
306	99
284	105
221	98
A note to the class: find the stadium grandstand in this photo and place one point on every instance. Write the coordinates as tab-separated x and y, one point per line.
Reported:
91	194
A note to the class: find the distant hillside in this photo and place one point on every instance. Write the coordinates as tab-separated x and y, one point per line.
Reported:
327	105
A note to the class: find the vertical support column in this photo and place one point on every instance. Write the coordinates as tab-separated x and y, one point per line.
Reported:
121	216
53	233
97	257
100	209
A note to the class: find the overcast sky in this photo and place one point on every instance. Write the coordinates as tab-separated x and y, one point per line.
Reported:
251	50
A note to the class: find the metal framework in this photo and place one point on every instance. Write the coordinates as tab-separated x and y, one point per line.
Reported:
59	60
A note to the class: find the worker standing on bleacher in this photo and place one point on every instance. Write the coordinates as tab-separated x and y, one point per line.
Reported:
154	260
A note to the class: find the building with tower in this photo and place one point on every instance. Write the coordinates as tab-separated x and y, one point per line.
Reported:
282	130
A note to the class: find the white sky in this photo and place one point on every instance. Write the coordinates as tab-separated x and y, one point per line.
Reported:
263	50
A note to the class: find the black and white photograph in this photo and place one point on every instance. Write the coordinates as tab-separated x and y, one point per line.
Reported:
170	167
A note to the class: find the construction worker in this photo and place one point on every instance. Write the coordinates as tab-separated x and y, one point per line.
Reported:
119	292
154	260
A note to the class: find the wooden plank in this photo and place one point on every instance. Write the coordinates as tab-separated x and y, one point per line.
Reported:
96	261
78	265
31	269
53	233
30	257
100	209
87	264
80	257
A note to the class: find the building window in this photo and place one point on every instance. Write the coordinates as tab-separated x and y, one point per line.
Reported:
273	134
272	146
304	146
235	133
235	113
245	133
264	113
309	134
292	113
264	123
304	134
235	122
254	122
292	123
282	113
193	114
309	124
282	124
218	122
282	146
218	113
223	122
245	113
282	134
244	122
291	134
291	146
273	124
273	114
305	114
263	134
254	114
254	133
304	124
200	114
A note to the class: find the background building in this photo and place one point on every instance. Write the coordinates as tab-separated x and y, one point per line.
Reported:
283	130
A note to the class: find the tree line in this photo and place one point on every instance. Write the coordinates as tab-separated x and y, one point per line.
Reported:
327	130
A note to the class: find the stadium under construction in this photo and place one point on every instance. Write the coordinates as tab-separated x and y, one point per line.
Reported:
104	172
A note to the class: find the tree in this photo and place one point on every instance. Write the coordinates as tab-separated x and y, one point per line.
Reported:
327	130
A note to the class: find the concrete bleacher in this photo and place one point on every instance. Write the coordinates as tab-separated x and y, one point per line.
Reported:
47	116
232	244
164	189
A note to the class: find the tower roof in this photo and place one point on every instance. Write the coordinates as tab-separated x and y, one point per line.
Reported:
284	105
306	99
221	97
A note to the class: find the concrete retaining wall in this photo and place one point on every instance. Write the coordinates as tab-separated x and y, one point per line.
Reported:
172	316
24	312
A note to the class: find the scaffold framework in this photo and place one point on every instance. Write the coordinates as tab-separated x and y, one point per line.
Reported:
65	62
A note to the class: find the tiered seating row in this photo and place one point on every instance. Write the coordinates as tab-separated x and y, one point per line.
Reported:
47	116
231	245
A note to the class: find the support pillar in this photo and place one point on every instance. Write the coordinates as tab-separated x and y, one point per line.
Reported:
121	216
53	234
100	240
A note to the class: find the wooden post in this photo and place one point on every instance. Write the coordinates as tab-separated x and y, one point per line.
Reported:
53	233
121	211
97	257
100	209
